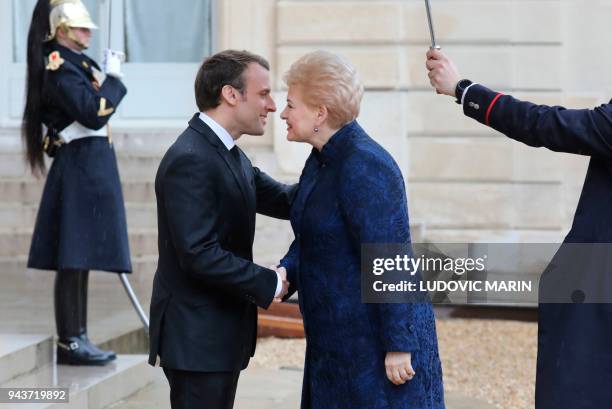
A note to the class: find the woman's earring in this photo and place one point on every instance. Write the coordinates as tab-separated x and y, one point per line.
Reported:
316	130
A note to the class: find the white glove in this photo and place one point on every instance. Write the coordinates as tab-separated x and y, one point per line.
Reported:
112	63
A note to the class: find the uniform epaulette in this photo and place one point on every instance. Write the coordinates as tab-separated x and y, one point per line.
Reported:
54	61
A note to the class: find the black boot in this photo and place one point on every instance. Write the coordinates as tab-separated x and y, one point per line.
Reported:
83	284
73	346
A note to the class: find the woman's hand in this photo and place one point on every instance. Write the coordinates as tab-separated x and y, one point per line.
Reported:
399	367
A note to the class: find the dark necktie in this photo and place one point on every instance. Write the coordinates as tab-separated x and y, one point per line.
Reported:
235	154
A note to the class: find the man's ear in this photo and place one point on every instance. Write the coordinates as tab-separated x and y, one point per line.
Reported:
230	95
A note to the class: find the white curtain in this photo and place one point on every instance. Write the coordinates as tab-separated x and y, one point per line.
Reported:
167	31
22	15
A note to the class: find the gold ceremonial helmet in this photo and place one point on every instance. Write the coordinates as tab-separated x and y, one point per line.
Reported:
68	13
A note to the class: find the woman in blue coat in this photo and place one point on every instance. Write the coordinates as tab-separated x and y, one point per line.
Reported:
351	191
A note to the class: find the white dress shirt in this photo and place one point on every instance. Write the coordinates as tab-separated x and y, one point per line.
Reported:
220	131
229	143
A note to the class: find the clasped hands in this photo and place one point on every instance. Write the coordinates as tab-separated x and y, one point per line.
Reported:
283	275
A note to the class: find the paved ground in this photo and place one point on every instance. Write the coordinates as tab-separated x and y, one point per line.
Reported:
262	389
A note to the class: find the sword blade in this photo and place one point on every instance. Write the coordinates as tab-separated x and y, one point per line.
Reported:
137	306
432	33
110	22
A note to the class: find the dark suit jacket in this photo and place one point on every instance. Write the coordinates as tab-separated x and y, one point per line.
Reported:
206	289
574	340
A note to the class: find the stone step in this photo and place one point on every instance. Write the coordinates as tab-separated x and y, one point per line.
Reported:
89	387
272	236
16	242
27	304
23	353
133	164
130	166
29	191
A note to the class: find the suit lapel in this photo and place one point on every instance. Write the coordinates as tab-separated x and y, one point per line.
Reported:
239	172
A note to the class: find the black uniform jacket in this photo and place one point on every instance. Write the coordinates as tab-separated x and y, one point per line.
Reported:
574	368
206	288
81	221
73	93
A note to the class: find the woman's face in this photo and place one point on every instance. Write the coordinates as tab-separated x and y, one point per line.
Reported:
300	118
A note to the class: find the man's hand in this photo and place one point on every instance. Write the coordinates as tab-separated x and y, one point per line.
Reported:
443	74
399	367
283	274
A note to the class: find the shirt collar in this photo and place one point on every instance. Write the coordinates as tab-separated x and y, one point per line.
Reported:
221	133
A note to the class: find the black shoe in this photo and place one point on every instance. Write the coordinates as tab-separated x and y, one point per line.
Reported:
79	351
95	348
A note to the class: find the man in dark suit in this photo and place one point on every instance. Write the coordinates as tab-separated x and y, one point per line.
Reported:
206	289
574	338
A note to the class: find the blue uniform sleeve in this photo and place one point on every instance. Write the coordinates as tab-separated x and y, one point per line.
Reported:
373	200
78	98
579	131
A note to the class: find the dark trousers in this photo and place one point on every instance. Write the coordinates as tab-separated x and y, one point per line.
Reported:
202	390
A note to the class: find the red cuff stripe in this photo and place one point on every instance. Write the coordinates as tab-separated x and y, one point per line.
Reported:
487	117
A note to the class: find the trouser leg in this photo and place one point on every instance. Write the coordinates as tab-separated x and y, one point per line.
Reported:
210	390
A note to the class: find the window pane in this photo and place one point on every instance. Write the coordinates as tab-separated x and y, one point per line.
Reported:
22	15
167	31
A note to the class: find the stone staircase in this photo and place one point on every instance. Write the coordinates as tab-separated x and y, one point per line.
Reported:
26	361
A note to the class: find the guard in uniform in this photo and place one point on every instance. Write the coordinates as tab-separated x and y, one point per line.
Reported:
81	223
574	366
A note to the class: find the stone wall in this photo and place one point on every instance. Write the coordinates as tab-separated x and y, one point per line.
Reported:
465	182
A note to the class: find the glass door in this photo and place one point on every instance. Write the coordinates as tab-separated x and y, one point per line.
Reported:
164	43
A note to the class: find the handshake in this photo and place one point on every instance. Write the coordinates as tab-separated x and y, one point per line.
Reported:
282	273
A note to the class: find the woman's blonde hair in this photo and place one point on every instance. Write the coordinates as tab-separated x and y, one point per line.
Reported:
329	80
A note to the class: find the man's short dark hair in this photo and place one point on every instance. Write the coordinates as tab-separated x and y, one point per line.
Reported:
224	68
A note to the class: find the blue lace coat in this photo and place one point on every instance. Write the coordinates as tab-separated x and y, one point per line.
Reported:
352	192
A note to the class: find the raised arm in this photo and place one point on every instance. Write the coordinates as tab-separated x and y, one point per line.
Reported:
579	131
